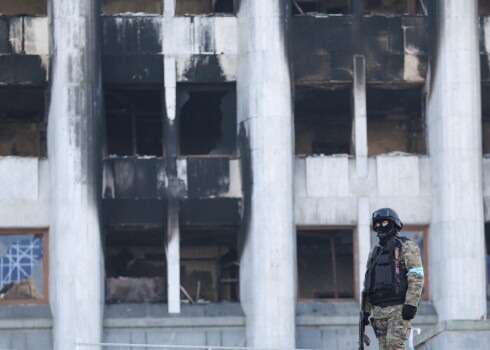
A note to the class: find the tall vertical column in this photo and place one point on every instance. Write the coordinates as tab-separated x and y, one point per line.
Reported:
268	249
174	188
456	238
75	156
360	116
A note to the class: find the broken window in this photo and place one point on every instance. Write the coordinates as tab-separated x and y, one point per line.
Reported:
209	264
325	263
23	267
23	7
135	265
322	120
134	122
398	7
22	125
113	7
200	7
419	236
321	6
395	120
485	91
207	119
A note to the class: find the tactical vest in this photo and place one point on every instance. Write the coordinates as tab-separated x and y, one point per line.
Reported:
383	284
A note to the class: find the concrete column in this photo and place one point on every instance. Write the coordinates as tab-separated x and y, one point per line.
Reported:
456	235
172	244
76	264
360	116
363	240
268	248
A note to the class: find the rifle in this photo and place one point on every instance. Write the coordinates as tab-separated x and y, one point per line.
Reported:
363	338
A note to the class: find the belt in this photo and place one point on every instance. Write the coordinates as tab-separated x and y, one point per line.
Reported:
390	303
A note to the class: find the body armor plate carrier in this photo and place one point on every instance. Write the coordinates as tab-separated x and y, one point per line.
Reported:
386	278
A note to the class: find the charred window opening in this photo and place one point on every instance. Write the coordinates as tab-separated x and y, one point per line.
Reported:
338	7
322	120
22	123
134	122
23	7
484	7
396	7
485	92
113	7
487	250
201	7
207	119
395	120
135	266
209	264
325	263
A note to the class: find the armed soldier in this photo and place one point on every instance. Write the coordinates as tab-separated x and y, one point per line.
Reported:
394	282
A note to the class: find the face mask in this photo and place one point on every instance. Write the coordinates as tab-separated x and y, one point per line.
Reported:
385	232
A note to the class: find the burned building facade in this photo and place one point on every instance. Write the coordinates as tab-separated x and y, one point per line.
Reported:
202	172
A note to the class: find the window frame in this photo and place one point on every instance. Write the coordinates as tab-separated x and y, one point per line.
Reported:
45	234
354	260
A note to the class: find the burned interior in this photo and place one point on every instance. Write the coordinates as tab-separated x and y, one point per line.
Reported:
485	109
24	7
209	264
325	263
134	121
22	125
207	119
323	119
201	7
395	119
399	7
321	6
135	265
112	7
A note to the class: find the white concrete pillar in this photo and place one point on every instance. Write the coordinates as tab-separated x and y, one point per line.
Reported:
172	244
76	264
363	240
360	116
268	249
456	235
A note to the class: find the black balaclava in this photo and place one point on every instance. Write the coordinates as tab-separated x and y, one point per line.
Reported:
385	232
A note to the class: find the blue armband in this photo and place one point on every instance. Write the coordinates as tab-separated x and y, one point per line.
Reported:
419	270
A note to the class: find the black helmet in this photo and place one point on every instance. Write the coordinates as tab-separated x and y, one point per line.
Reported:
387	214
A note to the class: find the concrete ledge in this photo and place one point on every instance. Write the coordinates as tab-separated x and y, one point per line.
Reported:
22	324
177	322
468	332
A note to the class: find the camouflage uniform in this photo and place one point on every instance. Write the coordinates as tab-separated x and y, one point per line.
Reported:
391	329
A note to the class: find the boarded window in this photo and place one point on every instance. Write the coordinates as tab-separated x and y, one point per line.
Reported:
398	7
200	7
395	120
322	120
207	119
23	267
23	7
209	264
135	266
134	121
321	6
22	121
325	263
112	7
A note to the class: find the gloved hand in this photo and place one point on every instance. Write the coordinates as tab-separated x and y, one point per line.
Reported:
408	312
365	318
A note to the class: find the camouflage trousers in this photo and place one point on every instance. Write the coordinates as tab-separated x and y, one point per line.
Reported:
392	331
